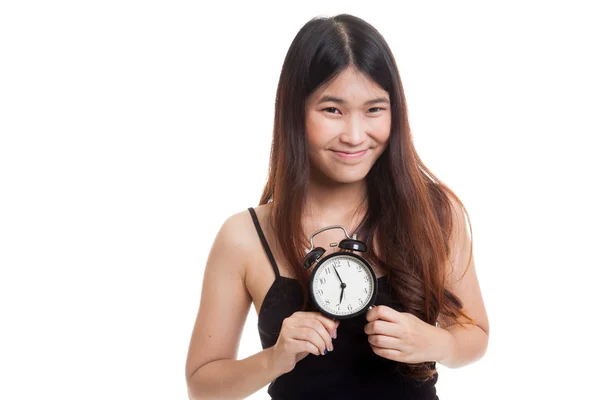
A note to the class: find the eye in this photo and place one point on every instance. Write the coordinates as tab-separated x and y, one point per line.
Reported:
331	108
376	109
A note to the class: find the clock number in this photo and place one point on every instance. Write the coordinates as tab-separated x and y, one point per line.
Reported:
366	278
336	263
349	307
360	301
320	292
366	291
327	270
322	281
327	301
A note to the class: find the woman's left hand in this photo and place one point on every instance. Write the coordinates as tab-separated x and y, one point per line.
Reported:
404	337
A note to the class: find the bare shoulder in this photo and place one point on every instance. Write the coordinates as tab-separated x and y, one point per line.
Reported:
238	233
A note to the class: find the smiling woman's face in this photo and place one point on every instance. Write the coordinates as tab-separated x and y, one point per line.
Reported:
350	115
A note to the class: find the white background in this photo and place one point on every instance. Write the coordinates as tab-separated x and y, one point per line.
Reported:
130	130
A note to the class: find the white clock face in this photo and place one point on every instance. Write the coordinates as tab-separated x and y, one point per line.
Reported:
343	273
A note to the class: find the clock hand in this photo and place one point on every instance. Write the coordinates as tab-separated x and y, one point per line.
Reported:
338	275
342	284
342	294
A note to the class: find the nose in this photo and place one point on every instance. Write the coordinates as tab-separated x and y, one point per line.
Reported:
354	131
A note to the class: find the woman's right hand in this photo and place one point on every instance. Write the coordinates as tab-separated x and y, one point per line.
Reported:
302	333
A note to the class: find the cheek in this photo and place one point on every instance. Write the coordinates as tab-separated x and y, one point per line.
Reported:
313	139
380	129
319	132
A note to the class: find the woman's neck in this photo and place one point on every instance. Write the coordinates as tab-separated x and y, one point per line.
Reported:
333	203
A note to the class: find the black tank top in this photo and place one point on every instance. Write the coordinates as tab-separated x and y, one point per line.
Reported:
352	370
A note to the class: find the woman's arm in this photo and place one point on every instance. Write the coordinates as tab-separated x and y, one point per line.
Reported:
212	371
232	379
469	343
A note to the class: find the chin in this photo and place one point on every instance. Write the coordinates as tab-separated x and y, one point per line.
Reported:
337	173
347	177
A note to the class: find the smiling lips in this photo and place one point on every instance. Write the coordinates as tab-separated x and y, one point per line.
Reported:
348	155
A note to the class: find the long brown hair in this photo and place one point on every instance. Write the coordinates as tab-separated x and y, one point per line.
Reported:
409	209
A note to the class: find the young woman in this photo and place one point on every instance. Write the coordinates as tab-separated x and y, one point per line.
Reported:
342	154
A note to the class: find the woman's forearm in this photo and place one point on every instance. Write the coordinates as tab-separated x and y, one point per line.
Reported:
469	344
232	379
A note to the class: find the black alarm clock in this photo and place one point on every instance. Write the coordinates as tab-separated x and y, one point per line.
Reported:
342	285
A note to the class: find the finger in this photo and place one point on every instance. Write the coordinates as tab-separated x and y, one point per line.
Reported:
318	326
390	354
309	334
372	314
385	342
383	312
299	346
330	324
381	327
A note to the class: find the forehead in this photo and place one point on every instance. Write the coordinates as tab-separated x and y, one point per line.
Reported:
350	85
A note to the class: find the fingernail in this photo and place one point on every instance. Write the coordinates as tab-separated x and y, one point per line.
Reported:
334	334
331	347
325	352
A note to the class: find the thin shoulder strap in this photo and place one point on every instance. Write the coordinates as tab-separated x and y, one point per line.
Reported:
263	240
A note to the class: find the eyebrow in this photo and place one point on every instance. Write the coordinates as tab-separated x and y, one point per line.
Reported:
342	101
